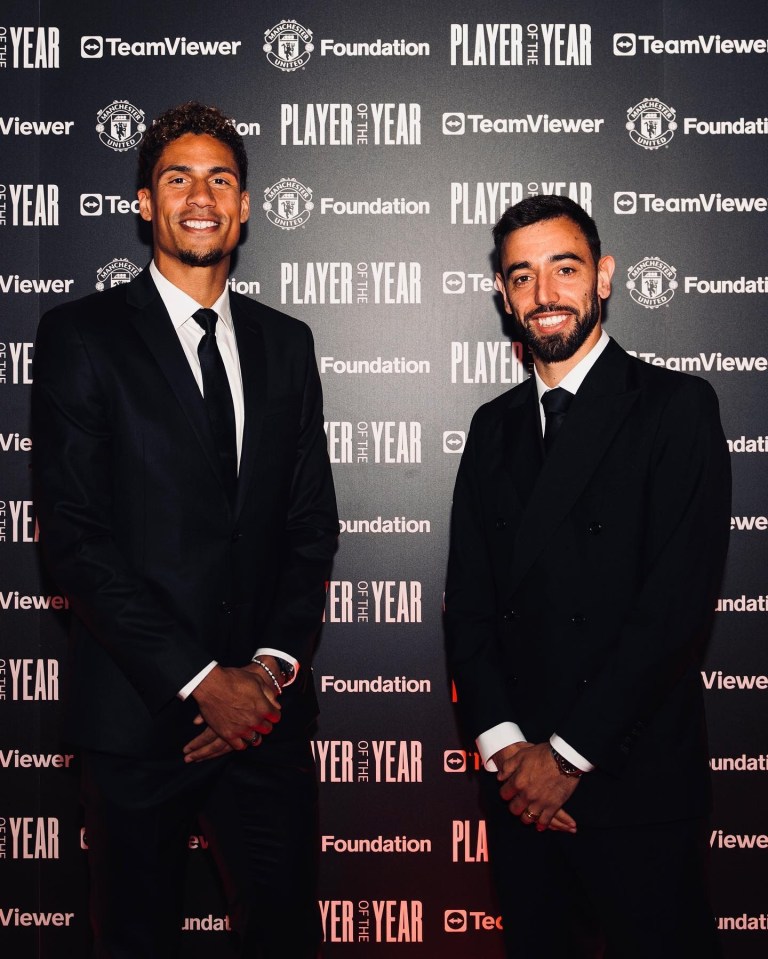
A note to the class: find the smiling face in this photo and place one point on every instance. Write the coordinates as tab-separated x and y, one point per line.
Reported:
195	205
551	285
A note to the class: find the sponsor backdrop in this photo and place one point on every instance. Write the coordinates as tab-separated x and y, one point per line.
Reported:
385	141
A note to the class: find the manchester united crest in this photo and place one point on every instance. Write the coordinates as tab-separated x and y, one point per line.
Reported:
652	282
651	124
288	203
120	125
288	45
115	273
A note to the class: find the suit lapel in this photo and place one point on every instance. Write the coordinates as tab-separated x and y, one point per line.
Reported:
253	369
152	323
522	441
596	414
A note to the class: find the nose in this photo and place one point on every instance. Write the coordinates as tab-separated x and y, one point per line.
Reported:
546	290
200	193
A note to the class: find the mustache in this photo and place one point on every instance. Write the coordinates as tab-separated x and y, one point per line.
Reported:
550	308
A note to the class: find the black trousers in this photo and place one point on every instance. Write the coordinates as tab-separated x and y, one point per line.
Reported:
635	892
258	810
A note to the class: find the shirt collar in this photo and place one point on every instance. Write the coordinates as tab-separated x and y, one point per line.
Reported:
573	380
181	306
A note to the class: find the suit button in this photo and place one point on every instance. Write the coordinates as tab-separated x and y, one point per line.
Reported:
595	528
578	619
236	535
501	523
225	607
508	615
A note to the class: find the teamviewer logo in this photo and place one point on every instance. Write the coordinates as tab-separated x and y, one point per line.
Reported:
91	48
625	201
454	281
90	204
624	44
455	920
453	441
454	761
453	124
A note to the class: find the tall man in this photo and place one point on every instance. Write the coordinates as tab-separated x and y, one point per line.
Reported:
590	526
186	508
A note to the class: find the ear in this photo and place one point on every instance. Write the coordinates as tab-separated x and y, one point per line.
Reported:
605	268
145	204
499	284
245	206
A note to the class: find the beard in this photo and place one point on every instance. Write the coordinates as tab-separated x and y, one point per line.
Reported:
559	346
208	258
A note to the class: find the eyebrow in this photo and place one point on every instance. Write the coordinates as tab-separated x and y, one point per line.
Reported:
555	258
182	168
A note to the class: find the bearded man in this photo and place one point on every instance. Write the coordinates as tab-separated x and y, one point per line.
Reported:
589	532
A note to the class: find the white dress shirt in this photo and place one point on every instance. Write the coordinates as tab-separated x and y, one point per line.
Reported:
508	733
181	308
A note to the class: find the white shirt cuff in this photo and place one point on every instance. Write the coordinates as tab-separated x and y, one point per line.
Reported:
192	685
569	754
279	654
492	740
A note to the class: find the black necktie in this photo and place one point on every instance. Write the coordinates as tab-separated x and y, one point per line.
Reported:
218	398
555	403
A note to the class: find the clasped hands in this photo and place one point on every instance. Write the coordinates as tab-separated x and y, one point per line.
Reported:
238	705
534	787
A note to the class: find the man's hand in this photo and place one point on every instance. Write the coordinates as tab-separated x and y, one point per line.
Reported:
236	705
531	782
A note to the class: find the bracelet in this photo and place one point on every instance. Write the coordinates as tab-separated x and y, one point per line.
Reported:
269	673
566	768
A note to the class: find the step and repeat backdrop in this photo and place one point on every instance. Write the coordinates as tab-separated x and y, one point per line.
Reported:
385	140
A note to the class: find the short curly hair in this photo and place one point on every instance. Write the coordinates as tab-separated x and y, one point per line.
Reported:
192	117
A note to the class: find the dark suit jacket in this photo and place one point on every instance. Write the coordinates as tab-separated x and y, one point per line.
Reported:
162	572
581	586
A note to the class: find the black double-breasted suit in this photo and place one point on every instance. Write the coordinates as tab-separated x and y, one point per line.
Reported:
581	584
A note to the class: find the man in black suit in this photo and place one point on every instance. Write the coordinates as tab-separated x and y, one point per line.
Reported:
186	508
590	526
